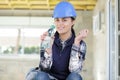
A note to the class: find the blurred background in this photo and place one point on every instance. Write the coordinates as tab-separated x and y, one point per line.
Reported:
23	21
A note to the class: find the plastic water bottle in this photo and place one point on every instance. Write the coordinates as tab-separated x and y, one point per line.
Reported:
47	41
46	44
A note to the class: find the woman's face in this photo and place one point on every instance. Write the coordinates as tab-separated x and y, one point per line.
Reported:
63	25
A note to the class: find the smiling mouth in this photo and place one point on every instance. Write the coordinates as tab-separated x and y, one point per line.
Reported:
61	28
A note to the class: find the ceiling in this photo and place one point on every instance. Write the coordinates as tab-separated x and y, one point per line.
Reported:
17	7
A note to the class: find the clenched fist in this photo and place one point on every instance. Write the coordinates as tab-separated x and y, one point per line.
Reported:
82	34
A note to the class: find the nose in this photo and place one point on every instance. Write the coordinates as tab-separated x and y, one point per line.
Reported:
60	23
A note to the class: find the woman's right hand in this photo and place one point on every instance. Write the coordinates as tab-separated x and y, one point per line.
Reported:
42	38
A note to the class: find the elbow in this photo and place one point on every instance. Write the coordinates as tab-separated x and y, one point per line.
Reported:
74	69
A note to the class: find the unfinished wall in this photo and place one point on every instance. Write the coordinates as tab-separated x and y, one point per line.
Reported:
15	67
84	21
100	44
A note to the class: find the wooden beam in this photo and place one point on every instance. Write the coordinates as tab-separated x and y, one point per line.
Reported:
39	7
4	4
77	2
37	2
4	7
45	4
83	2
84	7
90	7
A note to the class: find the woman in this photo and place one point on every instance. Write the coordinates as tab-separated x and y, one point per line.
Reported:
63	61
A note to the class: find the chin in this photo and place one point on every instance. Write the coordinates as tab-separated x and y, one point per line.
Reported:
59	32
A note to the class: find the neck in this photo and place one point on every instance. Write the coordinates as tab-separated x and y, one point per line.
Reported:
65	36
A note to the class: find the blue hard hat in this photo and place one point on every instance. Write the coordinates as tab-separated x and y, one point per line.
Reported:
64	9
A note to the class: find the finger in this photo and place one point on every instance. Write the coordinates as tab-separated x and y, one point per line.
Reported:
53	37
48	50
87	30
45	33
41	38
84	32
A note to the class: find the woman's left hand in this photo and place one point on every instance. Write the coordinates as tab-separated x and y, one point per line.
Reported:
82	34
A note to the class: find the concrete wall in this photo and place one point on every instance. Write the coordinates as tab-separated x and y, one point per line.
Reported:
84	21
100	44
15	67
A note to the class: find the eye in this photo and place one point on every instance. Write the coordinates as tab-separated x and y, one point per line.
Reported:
64	19
56	20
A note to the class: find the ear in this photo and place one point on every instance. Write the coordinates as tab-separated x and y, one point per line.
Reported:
73	22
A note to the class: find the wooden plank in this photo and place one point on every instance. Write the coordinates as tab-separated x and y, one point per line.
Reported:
45	4
83	2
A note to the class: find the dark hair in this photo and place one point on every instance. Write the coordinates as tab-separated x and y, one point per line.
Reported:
73	18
